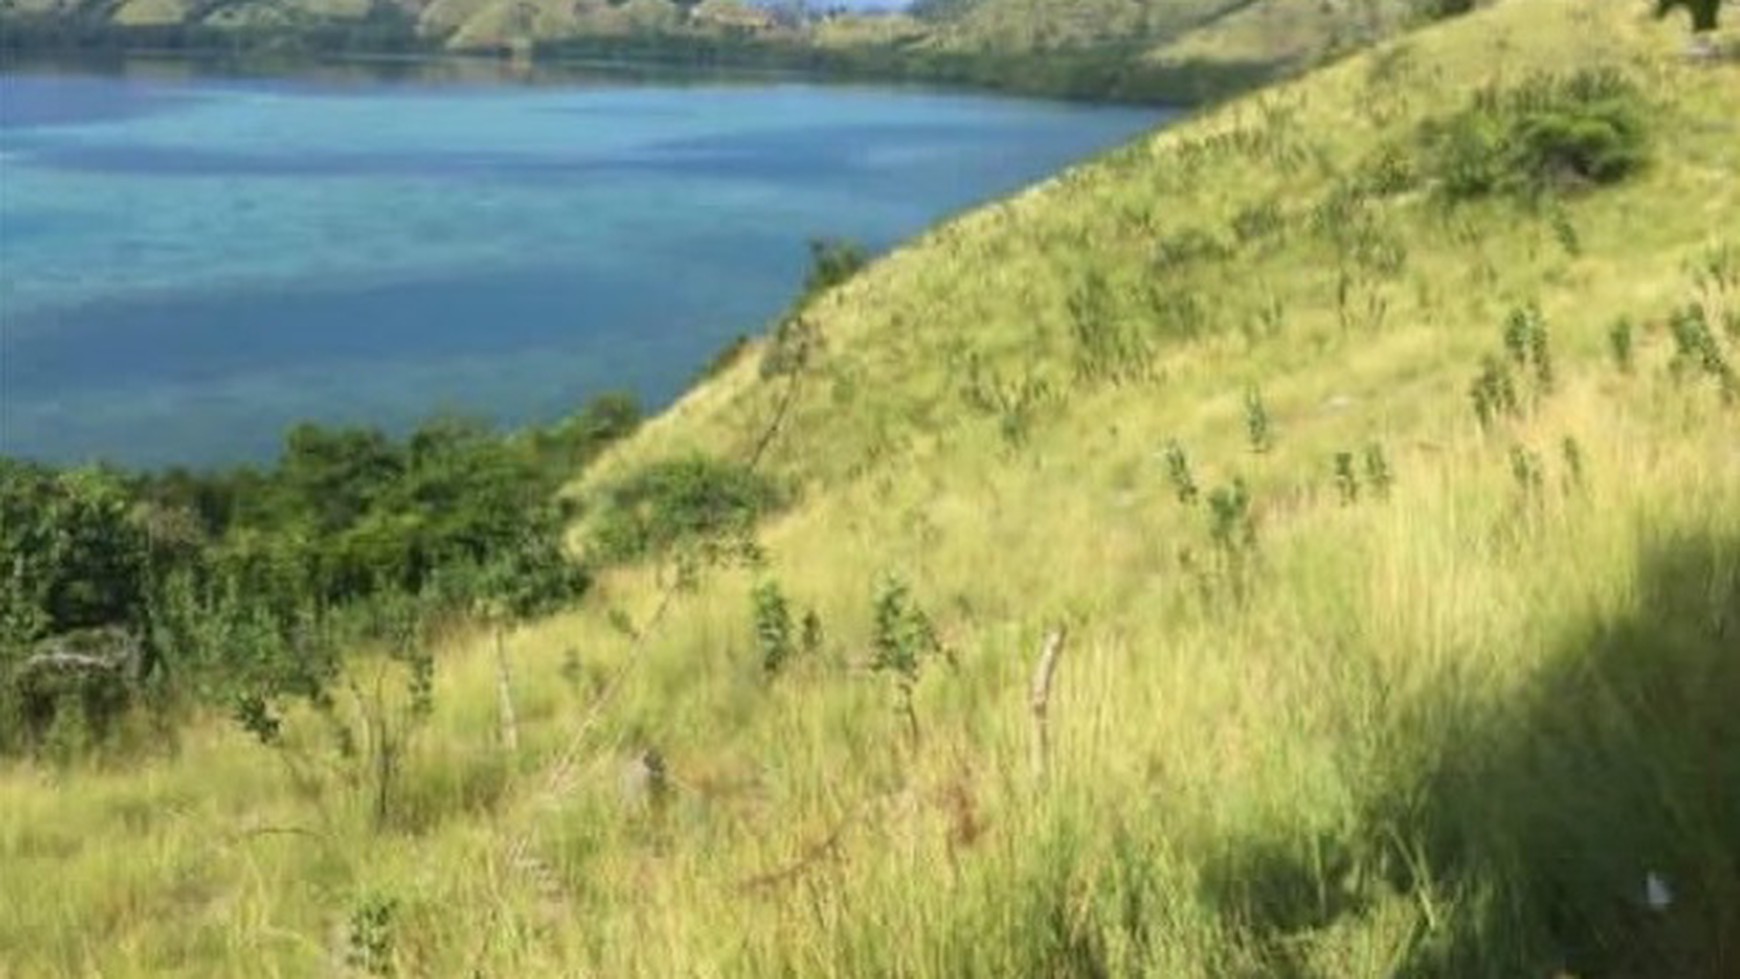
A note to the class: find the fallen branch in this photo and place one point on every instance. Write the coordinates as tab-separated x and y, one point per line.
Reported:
1040	699
812	855
510	724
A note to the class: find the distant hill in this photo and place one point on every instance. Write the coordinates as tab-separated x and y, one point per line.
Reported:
1161	50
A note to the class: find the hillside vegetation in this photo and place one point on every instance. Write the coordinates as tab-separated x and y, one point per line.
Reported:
1154	50
1367	453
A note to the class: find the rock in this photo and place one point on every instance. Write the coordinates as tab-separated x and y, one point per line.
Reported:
90	670
644	782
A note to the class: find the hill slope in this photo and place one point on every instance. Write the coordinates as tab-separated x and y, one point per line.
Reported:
1402	688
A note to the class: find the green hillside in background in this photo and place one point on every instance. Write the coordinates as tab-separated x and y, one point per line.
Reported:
1156	50
1304	542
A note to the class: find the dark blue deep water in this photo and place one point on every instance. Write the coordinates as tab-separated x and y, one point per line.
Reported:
189	263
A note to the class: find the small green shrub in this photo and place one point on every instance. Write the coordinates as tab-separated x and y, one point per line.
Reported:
1620	343
1551	133
1526	340
676	501
1494	392
773	628
1178	471
1698	351
1378	474
1232	527
1528	472
903	640
1346	478
1431	10
1259	430
833	261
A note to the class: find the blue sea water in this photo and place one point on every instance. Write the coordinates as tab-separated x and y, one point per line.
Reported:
190	262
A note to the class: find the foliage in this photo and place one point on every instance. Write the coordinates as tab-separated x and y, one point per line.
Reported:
1706	14
1698	350
1179	474
773	627
242	586
675	501
903	640
1259	430
1549	133
833	262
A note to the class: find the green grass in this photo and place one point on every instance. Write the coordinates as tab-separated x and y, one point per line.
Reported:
1446	732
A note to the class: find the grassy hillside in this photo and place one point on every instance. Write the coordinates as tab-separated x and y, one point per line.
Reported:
1357	680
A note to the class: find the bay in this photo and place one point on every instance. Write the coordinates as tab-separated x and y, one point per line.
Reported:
191	260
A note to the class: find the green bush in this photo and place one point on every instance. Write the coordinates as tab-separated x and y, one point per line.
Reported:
1552	133
676	501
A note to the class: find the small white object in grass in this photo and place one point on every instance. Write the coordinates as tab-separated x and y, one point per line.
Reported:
1656	892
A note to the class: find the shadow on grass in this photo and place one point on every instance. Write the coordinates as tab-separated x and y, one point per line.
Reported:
1527	839
1622	761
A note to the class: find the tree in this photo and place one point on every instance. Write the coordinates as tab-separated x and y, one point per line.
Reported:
72	554
1705	13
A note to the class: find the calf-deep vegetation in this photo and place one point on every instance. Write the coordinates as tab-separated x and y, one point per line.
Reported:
1304	542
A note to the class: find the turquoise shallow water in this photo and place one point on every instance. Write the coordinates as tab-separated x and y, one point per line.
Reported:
190	263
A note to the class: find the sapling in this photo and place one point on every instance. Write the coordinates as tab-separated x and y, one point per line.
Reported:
1494	392
1230	524
1526	469
1377	471
773	628
1178	471
1540	354
1233	530
1525	338
903	638
1258	429
1346	479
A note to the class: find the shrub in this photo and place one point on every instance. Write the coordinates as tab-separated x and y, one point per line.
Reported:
678	500
1259	431
832	262
773	626
1178	472
903	640
1550	133
1431	10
